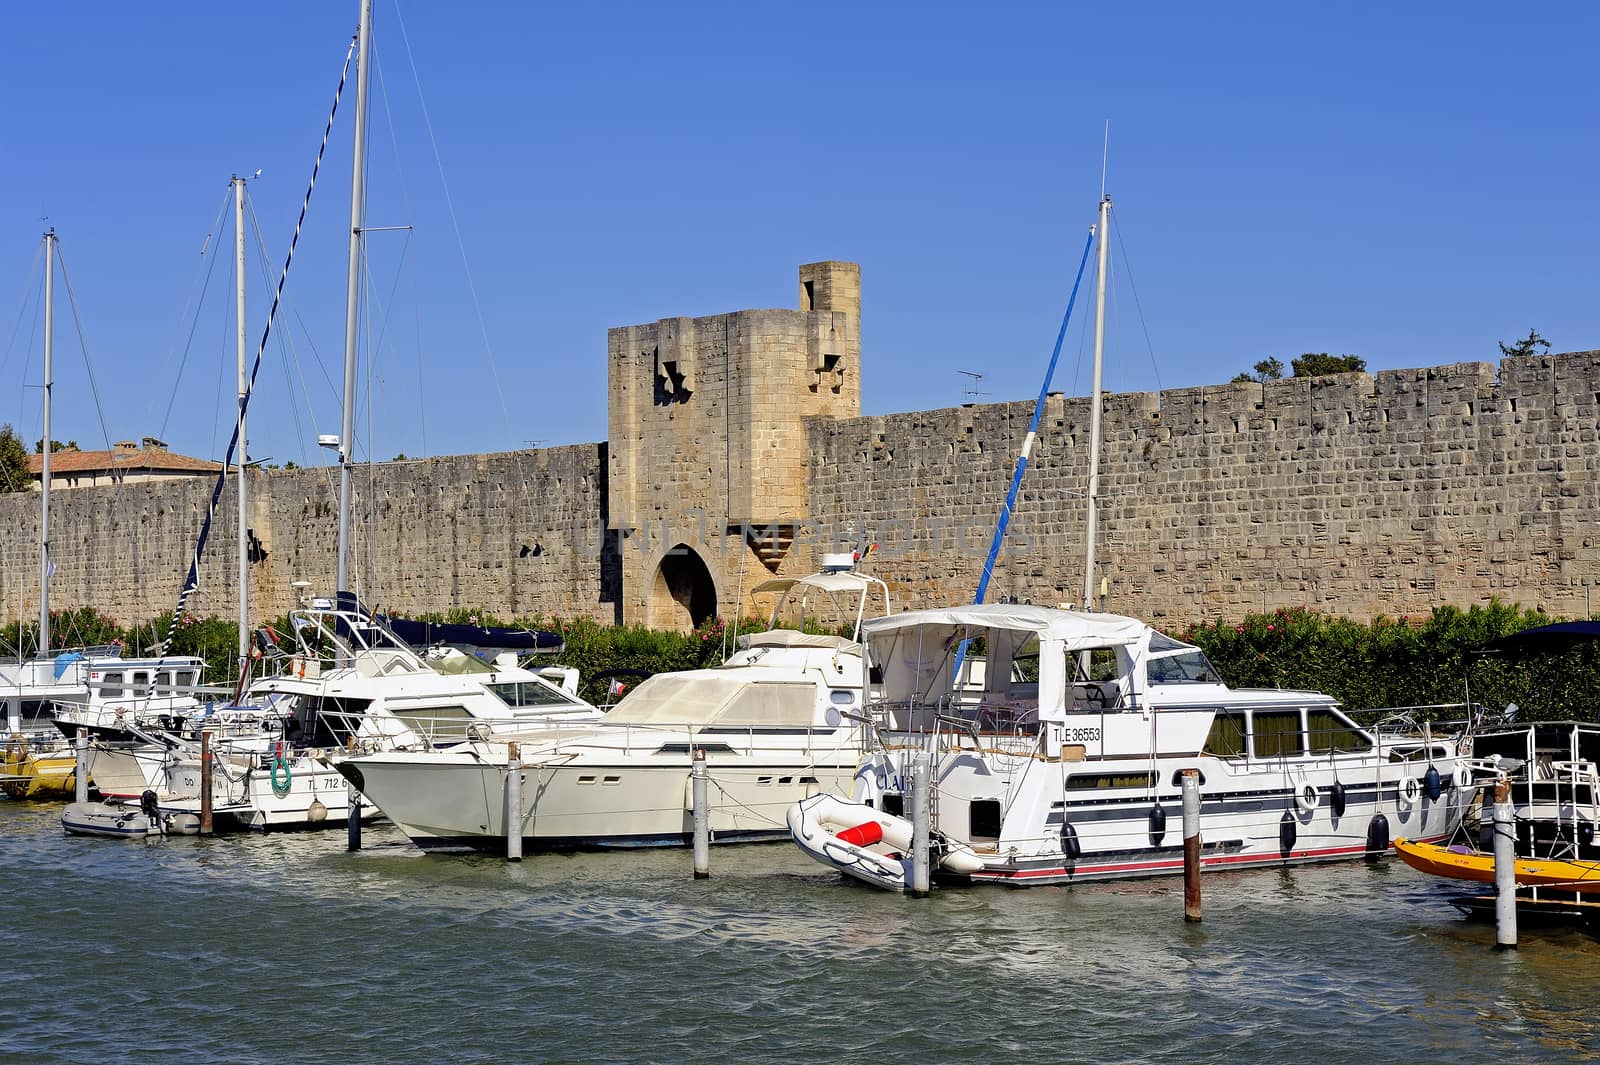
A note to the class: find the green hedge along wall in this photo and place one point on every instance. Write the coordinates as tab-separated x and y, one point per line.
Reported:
1404	662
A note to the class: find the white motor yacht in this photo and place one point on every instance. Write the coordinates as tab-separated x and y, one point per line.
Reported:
346	683
779	720
49	697
1067	762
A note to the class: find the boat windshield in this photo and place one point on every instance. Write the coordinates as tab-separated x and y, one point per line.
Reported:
701	699
1171	662
528	693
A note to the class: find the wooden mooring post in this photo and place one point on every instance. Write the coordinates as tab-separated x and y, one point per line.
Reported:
1191	845
205	782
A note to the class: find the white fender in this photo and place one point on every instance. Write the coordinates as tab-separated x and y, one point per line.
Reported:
1463	775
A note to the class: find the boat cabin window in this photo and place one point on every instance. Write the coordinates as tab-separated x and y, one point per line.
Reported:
527	693
1330	732
1226	738
141	682
111	686
446	723
1102	665
1276	734
1095	781
184	678
1171	662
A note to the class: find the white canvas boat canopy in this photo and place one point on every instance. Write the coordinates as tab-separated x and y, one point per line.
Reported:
915	650
1073	629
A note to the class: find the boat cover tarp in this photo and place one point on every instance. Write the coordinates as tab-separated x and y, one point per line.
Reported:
1075	629
64	662
1558	637
428	633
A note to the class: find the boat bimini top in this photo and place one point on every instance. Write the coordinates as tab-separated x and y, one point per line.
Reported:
914	652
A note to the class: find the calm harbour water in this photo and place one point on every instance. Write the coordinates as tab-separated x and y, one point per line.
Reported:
284	948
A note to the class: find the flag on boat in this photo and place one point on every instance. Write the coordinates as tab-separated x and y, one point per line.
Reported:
618	687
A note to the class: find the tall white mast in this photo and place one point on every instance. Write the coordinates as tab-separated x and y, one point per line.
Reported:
1094	405
244	387
44	466
352	306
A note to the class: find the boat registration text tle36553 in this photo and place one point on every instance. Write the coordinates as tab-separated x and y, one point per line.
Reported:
1082	735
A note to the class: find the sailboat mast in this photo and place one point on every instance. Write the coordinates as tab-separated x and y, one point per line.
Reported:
44	450
352	306
1094	406
244	391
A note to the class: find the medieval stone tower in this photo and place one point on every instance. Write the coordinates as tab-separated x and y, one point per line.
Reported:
708	455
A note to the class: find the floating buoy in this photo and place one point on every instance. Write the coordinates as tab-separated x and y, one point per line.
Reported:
1407	793
1305	797
1158	825
1287	834
1336	799
1070	847
1431	785
1463	775
1378	836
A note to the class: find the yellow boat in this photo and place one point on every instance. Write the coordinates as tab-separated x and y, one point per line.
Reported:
1466	864
32	773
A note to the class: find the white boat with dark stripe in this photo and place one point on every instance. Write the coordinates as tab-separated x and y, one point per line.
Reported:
779	720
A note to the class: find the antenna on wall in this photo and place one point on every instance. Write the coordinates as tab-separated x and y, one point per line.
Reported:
971	393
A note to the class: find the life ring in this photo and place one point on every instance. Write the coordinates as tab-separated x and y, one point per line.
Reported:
1407	792
1463	775
1306	797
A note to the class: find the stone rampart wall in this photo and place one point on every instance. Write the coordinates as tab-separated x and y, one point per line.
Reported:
1355	494
520	533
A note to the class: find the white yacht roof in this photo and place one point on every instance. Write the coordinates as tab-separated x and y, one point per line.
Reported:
791	638
1073	627
843	581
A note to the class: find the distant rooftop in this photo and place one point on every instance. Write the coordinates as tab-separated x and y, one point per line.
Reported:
125	455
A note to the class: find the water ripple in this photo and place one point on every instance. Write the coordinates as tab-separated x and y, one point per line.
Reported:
272	948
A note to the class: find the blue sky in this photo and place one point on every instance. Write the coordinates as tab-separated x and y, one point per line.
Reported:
1408	183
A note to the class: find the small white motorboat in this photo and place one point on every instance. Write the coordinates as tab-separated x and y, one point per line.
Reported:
127	820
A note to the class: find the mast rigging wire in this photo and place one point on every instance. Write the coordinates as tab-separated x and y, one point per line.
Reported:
177	379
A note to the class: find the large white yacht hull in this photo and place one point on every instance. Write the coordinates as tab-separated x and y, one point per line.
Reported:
455	800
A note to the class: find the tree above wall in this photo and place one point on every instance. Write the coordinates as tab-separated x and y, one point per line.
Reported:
1526	346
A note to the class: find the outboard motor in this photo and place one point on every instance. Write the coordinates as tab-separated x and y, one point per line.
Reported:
152	811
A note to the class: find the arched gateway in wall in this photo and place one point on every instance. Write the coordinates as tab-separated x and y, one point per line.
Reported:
683	594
